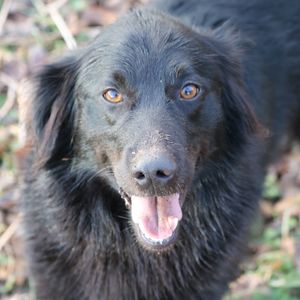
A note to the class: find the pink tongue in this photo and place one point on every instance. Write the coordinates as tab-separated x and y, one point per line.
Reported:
157	217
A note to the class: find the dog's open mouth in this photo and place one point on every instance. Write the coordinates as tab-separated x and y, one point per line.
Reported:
155	218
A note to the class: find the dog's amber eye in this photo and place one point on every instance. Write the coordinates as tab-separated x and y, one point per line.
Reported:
112	95
189	91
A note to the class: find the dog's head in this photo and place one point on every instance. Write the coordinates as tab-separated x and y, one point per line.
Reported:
145	107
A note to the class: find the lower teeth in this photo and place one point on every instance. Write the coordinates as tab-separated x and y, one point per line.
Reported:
157	242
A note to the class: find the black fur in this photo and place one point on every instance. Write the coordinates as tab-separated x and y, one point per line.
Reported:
80	237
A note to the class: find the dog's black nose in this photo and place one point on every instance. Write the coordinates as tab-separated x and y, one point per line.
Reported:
158	170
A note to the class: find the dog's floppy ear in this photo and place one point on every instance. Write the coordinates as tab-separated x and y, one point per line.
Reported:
53	113
241	119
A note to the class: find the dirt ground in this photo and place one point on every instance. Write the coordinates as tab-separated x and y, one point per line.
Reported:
35	32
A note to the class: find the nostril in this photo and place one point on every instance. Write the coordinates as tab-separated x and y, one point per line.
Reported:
139	175
163	174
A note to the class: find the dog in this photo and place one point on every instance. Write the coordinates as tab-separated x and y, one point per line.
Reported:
150	147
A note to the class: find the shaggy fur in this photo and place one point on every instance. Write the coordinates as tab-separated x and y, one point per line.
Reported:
81	241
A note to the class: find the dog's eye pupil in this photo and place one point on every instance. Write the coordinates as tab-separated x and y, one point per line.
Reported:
112	95
189	91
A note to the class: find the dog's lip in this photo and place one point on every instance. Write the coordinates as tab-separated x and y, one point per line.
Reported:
155	245
155	218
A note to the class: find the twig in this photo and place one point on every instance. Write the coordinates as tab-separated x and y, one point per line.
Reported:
9	103
62	27
10	231
9	81
285	222
4	13
11	95
52	11
57	4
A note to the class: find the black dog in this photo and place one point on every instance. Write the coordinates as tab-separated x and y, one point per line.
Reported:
150	149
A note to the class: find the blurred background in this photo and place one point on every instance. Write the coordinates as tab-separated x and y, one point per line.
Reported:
35	32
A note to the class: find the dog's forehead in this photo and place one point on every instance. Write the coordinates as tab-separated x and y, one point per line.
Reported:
143	56
145	47
142	46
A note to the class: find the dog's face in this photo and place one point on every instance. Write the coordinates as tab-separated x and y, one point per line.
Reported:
149	114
